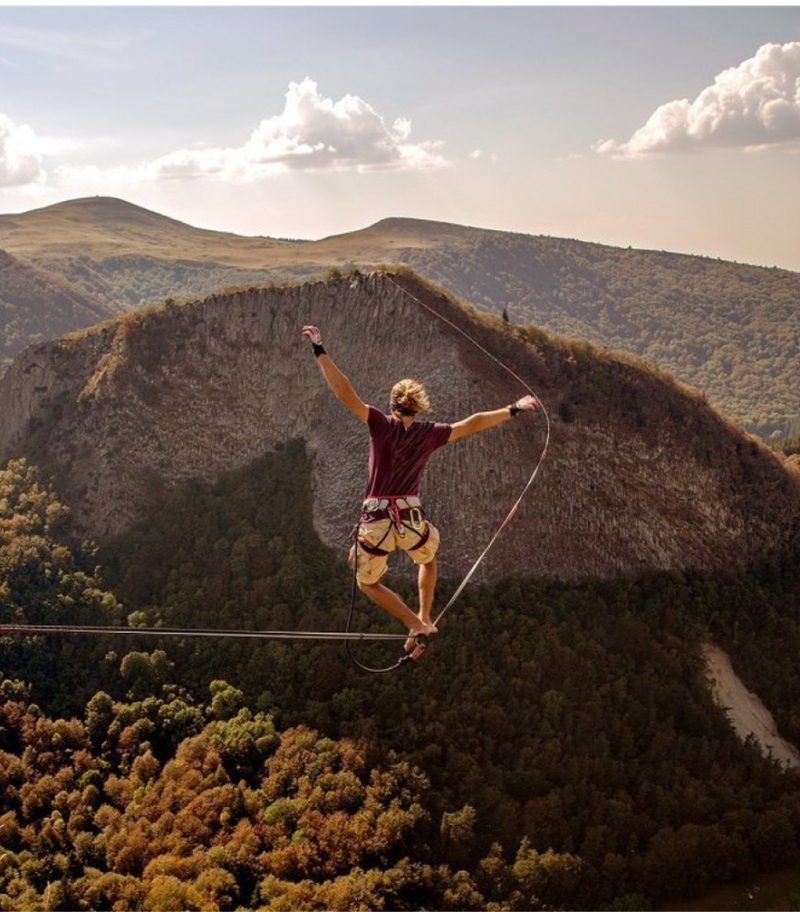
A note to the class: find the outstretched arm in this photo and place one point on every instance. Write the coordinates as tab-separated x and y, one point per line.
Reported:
482	421
336	380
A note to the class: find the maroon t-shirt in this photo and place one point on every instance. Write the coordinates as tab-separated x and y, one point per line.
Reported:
397	457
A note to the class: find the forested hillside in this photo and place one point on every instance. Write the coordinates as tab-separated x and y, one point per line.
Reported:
36	305
556	747
731	330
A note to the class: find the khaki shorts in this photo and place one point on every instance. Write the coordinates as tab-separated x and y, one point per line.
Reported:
371	567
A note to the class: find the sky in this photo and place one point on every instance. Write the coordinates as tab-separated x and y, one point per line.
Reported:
671	128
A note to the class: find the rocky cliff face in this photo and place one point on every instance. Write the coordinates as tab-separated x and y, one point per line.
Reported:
640	473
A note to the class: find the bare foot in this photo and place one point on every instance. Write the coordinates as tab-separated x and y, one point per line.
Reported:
416	630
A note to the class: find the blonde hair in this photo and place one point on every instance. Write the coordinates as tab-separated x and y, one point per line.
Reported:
410	394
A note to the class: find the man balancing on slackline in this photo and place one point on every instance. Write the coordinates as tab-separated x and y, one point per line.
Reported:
392	516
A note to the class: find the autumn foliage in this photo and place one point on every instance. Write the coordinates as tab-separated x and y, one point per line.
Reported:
558	748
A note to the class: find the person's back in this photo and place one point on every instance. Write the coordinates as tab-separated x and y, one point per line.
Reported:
398	454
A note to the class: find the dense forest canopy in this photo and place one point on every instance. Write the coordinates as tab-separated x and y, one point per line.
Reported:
556	747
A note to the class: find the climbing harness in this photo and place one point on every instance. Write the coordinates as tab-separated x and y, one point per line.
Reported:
397	509
394	508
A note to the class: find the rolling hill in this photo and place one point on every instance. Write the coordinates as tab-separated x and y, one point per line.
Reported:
730	330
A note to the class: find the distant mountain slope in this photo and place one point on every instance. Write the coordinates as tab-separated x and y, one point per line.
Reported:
36	305
641	473
732	331
99	227
121	256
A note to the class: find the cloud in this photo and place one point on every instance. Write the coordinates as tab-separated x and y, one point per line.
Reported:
755	105
312	133
478	154
317	132
22	154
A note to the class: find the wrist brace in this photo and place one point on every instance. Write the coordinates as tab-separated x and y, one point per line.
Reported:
318	350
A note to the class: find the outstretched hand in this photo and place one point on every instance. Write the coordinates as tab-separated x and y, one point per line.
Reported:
527	404
313	334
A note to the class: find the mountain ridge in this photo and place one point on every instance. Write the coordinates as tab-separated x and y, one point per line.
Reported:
107	226
642	474
728	329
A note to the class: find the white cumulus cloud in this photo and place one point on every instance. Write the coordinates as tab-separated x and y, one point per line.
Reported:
22	154
754	105
317	132
312	133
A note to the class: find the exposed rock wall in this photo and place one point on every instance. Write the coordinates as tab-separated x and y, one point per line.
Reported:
640	474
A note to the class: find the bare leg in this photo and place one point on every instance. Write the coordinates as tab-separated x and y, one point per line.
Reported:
427	587
391	602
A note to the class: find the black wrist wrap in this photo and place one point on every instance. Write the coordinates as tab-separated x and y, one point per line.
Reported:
318	350
514	410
